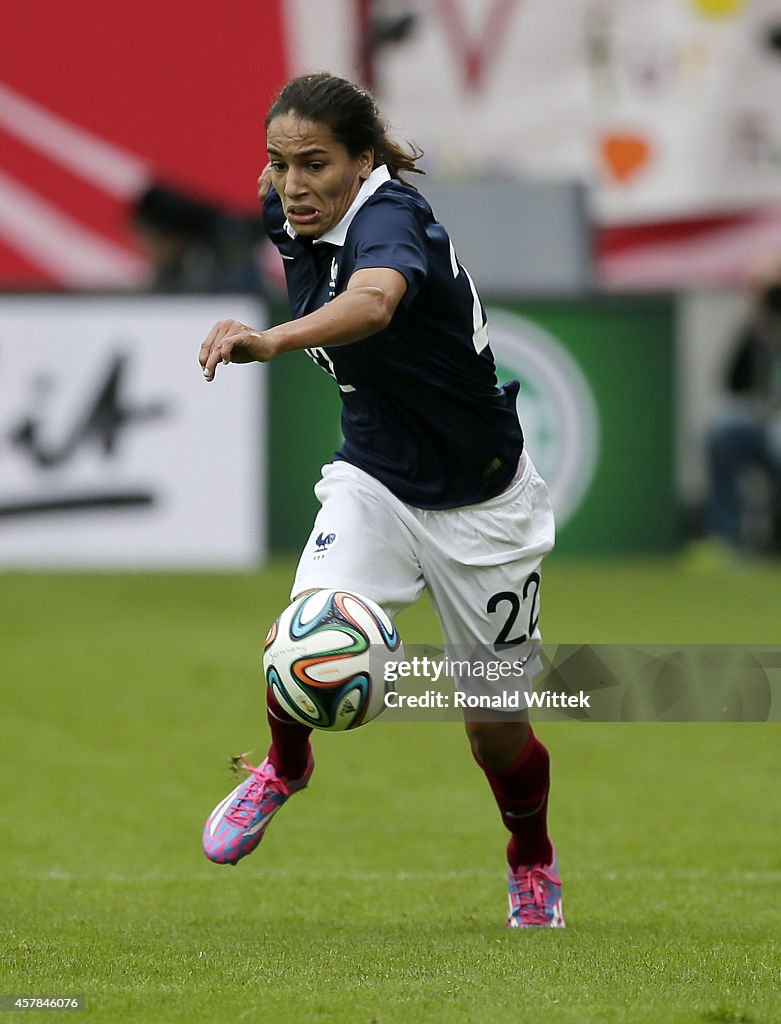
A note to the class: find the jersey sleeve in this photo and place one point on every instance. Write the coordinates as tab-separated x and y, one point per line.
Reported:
390	235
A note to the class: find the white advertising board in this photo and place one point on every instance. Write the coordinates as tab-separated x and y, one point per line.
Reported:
114	450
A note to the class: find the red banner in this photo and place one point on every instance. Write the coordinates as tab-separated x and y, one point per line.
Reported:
96	100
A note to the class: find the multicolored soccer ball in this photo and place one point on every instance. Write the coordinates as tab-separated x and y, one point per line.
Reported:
324	657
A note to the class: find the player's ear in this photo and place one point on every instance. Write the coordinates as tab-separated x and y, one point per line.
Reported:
365	164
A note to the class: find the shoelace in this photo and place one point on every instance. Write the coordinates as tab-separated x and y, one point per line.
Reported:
527	893
247	802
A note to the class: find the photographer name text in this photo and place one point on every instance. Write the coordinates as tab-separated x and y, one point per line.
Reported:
511	700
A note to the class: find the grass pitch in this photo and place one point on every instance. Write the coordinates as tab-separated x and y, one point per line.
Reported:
378	895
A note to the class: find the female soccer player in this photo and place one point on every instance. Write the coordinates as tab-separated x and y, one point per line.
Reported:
432	487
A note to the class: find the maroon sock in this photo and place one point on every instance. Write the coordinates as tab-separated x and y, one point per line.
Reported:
521	791
289	750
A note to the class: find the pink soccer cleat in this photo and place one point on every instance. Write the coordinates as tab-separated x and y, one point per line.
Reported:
237	824
535	896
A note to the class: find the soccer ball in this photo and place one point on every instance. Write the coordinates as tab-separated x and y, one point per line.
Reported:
323	659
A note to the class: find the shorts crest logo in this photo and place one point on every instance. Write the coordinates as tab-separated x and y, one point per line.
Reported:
323	543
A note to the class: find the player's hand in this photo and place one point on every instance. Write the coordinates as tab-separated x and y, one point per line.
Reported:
231	341
264	183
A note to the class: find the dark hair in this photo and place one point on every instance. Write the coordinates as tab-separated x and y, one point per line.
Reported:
352	115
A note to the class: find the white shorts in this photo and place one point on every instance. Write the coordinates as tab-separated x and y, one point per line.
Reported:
480	563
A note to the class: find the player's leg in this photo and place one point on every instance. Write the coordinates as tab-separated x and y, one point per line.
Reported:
360	543
521	793
482	568
238	823
517	767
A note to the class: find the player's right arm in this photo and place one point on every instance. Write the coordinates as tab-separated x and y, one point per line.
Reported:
364	308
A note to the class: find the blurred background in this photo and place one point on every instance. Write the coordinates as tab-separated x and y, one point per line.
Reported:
609	171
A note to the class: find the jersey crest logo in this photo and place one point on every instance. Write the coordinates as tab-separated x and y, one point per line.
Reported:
332	279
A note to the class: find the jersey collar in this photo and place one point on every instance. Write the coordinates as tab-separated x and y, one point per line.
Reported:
337	234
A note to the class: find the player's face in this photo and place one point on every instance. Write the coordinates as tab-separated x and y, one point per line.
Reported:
315	176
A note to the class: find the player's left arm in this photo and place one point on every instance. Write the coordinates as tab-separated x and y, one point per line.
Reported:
364	308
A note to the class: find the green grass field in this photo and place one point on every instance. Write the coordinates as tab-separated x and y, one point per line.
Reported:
378	896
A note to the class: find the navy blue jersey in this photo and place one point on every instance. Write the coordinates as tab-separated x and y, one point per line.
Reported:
421	408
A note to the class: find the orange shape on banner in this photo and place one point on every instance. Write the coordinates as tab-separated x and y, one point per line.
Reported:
625	154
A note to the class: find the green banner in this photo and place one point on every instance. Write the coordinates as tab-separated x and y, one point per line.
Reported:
596	404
